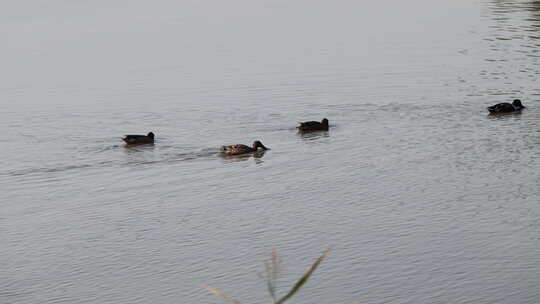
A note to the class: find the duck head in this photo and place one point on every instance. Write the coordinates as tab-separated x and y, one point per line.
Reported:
517	104
150	134
257	144
324	122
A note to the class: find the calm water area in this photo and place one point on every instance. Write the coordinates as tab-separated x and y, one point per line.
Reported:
422	196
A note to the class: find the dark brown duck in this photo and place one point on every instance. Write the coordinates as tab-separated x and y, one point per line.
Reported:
139	139
309	126
506	107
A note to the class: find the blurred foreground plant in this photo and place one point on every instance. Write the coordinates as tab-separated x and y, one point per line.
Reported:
272	270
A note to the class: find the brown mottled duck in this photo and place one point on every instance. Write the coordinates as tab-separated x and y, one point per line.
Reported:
242	149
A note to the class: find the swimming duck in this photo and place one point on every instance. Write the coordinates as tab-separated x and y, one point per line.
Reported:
139	139
506	107
242	149
313	126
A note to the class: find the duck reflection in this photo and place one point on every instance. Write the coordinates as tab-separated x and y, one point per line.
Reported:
311	136
256	156
505	116
130	149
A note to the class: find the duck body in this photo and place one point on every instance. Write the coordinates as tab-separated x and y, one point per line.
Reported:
139	139
310	126
506	107
242	149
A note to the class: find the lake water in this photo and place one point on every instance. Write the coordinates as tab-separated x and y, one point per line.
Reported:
423	197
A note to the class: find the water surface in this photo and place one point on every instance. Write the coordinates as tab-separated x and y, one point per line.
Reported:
423	196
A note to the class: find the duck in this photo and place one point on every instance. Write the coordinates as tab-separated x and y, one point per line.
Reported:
139	139
242	149
506	107
309	126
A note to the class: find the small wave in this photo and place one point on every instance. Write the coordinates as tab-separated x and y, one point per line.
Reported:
30	171
176	157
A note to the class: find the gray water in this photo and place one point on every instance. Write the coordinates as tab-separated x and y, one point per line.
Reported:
422	196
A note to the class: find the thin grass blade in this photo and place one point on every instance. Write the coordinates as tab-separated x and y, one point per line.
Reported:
304	278
221	294
275	265
270	283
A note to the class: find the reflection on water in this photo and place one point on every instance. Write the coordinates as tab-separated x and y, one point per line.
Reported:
309	136
510	115
257	157
510	6
519	20
514	45
138	148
